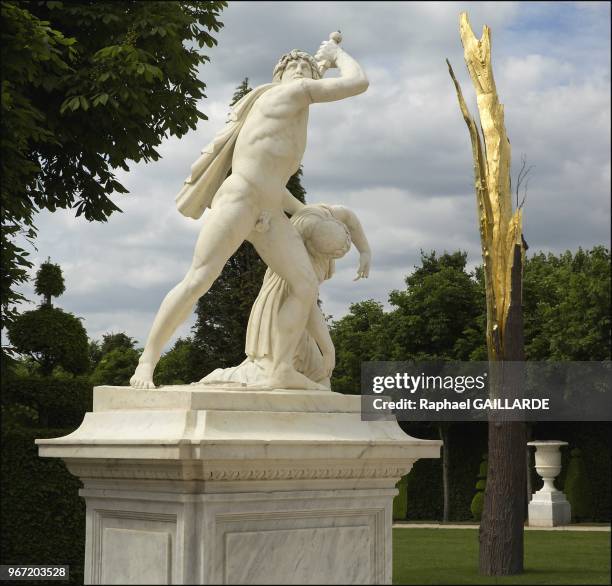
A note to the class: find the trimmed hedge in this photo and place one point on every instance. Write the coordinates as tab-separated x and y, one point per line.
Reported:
478	501
42	516
468	441
424	491
468	444
59	402
424	482
578	487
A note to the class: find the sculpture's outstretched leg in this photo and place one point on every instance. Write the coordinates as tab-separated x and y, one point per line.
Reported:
225	228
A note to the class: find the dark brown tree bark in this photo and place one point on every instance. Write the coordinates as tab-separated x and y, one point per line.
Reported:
503	515
529	487
503	248
443	428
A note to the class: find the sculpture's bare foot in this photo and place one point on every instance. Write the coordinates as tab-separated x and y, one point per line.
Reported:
143	377
289	378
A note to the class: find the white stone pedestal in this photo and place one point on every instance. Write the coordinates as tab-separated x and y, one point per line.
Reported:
548	506
199	485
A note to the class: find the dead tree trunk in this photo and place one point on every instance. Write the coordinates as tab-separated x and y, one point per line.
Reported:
528	438
503	253
443	429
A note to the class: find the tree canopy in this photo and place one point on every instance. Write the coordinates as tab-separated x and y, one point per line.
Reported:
49	281
51	337
48	336
110	341
567	305
115	367
86	88
113	360
441	301
441	314
114	341
359	336
179	365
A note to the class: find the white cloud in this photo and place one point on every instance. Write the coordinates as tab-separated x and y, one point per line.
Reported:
398	155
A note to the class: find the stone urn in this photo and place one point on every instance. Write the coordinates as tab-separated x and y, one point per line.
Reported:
548	506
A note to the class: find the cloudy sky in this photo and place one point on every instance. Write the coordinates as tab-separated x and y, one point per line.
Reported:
398	155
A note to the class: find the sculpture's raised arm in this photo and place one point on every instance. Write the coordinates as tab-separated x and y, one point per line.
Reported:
263	145
352	80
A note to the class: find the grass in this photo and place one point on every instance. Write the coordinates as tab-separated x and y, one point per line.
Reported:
450	556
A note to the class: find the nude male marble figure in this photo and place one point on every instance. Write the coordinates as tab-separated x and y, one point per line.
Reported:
251	203
328	231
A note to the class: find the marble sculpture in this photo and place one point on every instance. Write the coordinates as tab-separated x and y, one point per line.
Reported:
279	481
327	232
288	345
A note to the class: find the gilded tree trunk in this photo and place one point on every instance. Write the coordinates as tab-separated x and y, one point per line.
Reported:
503	253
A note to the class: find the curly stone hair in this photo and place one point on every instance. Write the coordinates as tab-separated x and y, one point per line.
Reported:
295	55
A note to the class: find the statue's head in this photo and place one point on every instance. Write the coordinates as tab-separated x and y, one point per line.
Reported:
329	237
296	64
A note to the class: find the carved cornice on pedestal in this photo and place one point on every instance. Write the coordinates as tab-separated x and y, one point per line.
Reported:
193	470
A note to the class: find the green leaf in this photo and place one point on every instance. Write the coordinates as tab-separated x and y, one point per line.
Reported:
70	53
70	103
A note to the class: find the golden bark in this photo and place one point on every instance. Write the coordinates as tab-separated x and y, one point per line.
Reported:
500	227
503	253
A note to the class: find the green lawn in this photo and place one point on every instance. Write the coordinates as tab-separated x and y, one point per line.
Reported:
450	556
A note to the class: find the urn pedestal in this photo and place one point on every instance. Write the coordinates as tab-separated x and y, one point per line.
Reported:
200	485
548	506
